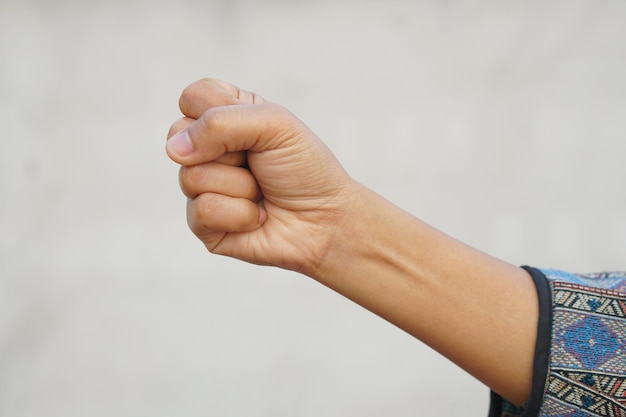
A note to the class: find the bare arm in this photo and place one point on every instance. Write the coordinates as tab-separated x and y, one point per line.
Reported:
263	188
476	310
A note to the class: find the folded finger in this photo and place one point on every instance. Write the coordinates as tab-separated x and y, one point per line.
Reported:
208	93
216	213
218	178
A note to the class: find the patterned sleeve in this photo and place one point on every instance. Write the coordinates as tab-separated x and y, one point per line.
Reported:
580	357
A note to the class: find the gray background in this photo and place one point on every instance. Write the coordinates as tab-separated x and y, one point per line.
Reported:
500	122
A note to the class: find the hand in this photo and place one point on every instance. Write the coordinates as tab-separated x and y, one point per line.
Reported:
262	187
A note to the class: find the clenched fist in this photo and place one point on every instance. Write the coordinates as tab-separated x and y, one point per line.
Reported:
262	187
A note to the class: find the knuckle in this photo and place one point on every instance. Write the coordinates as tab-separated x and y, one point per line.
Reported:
200	214
189	178
212	124
283	116
192	94
209	121
278	110
284	123
187	97
204	211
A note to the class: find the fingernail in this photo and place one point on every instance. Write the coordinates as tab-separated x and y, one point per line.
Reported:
180	144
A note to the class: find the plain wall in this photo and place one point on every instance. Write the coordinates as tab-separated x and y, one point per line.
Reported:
501	123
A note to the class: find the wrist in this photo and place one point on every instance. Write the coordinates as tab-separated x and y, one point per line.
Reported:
372	238
454	298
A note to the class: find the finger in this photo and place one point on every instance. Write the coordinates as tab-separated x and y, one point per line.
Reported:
208	93
231	158
218	178
231	129
235	159
211	213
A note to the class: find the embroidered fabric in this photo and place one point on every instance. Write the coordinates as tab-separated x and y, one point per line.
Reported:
580	359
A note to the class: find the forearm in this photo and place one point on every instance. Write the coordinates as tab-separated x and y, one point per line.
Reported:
476	310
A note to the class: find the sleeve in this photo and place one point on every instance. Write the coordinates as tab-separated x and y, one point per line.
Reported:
580	354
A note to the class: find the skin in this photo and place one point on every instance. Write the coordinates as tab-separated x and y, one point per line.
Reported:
263	188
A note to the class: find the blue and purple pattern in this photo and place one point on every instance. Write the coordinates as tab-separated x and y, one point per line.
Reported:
587	371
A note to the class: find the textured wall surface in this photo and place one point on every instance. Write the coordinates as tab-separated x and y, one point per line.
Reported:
501	123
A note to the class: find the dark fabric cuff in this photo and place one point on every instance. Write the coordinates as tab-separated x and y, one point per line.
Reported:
500	407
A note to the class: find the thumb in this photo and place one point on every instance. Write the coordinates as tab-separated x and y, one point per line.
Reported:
220	130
